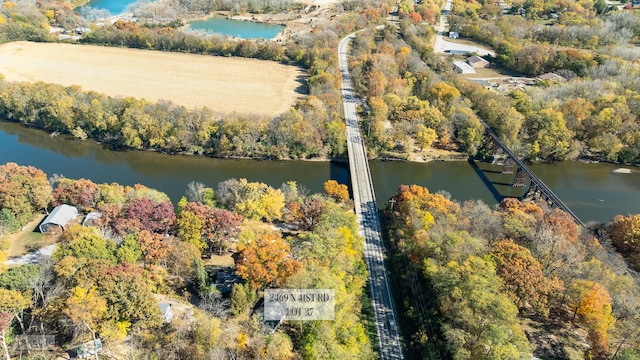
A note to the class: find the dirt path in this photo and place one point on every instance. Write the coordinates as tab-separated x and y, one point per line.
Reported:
222	84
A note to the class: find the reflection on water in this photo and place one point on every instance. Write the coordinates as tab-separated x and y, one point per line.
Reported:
592	191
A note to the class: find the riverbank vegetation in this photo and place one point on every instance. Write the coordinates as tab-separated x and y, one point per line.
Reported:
521	279
137	243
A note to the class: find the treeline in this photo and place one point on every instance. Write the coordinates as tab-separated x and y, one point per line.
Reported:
480	283
165	38
137	243
140	124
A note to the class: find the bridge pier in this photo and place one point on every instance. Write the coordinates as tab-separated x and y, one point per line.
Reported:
509	166
519	179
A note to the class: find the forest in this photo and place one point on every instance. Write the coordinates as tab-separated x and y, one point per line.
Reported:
511	281
105	279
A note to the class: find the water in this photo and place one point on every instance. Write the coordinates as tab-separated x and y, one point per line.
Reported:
592	191
235	28
114	7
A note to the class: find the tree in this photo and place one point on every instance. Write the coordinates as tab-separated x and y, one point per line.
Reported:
23	190
592	303
480	321
425	136
84	242
625	235
86	309
266	262
524	281
146	214
207	331
5	324
129	251
339	192
152	246
20	277
82	193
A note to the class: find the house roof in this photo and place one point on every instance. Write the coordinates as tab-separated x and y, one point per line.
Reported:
551	76
464	67
476	60
61	215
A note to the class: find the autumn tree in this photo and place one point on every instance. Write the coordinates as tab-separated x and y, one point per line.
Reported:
592	304
481	321
82	193
84	242
425	136
625	234
86	309
253	200
207	227
153	246
146	214
524	282
24	190
336	191
266	262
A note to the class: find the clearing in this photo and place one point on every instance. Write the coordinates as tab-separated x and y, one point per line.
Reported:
29	239
222	84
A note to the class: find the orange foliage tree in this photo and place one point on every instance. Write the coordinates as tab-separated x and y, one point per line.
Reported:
339	192
524	282
266	262
592	304
625	234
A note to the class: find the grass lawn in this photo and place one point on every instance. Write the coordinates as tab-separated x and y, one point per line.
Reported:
29	239
219	261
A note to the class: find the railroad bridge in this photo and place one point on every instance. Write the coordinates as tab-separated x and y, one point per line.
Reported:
537	188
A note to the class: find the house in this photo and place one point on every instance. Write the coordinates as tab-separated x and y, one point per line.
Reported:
92	218
89	349
167	312
463	68
551	77
59	218
477	62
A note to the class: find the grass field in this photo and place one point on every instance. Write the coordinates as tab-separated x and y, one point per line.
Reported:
222	84
29	239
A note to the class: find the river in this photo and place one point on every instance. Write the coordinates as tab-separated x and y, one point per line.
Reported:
592	191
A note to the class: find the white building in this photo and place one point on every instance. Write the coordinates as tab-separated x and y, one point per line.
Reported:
463	68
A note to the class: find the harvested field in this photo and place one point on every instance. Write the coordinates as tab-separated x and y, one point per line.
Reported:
222	84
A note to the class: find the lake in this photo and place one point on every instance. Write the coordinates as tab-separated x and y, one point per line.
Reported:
235	28
592	191
114	7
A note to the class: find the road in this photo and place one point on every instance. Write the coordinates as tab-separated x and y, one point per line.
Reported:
367	214
442	29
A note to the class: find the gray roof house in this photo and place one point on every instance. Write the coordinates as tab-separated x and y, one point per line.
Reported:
552	77
463	68
59	218
167	312
477	62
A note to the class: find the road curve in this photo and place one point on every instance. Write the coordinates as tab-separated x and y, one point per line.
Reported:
367	214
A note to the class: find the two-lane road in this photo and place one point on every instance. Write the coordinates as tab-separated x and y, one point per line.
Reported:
367	213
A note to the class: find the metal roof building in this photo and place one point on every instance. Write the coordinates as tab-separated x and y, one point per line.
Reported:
59	218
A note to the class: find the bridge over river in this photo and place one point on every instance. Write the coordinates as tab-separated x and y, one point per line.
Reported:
367	212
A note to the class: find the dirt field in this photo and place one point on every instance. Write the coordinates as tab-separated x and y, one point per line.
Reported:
222	84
